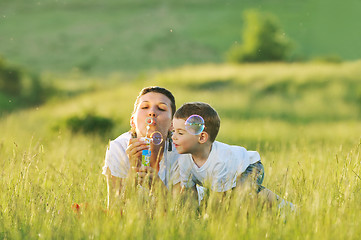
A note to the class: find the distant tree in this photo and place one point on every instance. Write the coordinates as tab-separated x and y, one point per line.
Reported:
263	40
90	123
20	88
10	78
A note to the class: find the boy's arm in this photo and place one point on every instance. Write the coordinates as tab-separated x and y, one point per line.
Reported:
182	191
186	186
192	192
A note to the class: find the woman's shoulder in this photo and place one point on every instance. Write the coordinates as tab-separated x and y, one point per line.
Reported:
120	143
116	158
122	139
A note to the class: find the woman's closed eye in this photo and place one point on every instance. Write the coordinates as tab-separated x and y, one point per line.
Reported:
162	107
144	106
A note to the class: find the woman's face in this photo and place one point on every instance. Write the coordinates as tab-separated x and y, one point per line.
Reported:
156	106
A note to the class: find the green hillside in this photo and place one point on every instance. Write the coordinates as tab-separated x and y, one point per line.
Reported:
132	36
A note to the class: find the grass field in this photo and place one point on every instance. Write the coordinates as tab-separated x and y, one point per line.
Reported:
304	119
132	36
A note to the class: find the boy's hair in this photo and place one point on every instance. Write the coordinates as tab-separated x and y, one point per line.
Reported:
211	119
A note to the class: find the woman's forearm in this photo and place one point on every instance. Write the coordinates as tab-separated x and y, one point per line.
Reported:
114	185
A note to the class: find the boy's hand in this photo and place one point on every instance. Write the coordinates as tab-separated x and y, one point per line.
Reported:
134	151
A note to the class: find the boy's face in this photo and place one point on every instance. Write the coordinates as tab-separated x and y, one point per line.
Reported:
184	141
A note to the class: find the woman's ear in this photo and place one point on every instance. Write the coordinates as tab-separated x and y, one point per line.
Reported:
132	124
203	137
171	126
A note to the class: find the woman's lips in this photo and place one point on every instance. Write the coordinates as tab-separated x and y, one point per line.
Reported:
150	121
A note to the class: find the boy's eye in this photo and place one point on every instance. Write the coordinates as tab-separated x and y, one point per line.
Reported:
161	109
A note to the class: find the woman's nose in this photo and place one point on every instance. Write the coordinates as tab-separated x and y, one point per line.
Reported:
152	112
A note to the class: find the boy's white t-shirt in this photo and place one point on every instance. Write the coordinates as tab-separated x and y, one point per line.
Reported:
117	161
220	171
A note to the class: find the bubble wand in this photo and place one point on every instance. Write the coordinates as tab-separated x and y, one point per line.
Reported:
155	138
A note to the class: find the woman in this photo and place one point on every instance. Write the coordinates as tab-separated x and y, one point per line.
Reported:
124	153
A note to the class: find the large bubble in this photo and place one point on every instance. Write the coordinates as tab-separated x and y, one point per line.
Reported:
194	124
156	137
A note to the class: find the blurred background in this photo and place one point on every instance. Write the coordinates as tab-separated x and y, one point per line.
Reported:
135	35
63	47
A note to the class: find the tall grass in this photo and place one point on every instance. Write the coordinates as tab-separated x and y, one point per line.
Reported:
313	162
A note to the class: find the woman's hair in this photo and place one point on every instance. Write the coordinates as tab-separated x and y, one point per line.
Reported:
155	89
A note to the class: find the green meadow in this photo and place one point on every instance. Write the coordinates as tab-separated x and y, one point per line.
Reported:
303	116
304	119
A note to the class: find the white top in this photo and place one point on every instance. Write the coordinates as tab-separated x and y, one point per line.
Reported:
117	161
220	171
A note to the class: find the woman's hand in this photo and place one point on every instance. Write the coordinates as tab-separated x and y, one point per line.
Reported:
134	151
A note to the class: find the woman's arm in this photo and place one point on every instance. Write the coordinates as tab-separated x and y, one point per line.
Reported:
148	176
114	185
140	174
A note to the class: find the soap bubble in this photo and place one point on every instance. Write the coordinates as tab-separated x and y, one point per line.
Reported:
194	124
149	120
156	137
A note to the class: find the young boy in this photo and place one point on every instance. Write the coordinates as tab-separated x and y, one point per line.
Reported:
212	164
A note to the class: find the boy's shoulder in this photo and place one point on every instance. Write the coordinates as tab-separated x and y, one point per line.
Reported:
224	148
230	151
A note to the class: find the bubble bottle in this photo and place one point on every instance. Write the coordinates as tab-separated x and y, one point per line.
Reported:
155	138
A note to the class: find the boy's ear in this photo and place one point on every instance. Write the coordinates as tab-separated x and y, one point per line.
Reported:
203	137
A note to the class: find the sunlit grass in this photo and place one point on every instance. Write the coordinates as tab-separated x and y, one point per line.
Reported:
311	160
